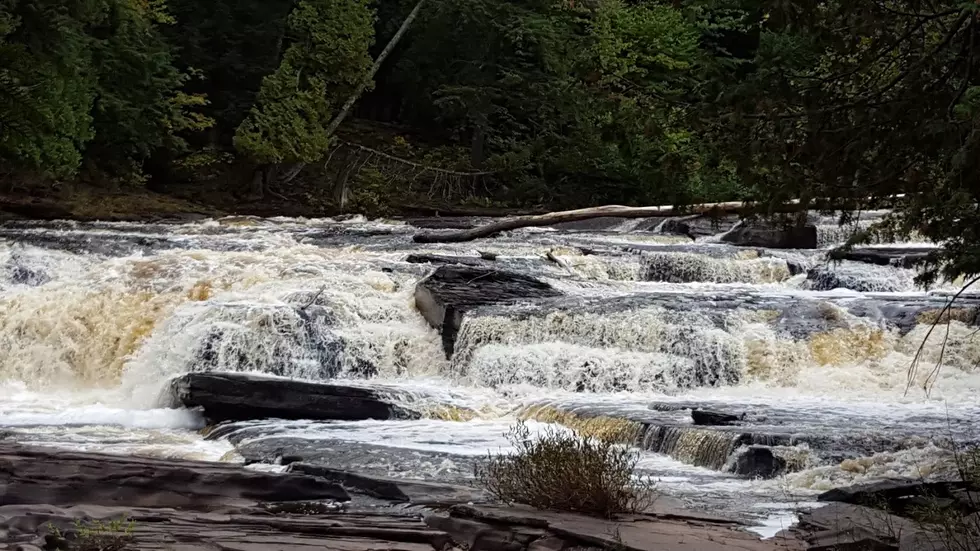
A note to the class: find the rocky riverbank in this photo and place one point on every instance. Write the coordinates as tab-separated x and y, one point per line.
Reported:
53	499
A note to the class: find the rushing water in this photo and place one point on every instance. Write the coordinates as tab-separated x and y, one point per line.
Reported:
96	318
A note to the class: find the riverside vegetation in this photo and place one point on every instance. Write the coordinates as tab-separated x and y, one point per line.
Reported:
564	471
517	103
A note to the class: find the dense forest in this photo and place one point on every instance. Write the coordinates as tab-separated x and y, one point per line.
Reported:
516	103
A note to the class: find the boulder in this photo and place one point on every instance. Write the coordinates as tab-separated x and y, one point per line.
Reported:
448	293
759	235
33	475
238	396
706	417
758	462
677	226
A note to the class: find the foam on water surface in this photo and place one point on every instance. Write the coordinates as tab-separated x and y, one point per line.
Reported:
95	318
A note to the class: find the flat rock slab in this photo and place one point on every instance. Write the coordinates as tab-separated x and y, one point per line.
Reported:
669	532
849	526
449	292
239	397
169	529
904	257
34	475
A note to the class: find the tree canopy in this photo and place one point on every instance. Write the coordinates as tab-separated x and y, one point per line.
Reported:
554	103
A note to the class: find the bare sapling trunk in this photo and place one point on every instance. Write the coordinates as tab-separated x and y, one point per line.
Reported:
363	84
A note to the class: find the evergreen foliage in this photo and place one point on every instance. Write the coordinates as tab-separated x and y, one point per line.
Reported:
563	102
326	60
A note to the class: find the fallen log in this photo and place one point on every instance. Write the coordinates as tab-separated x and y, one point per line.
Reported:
613	211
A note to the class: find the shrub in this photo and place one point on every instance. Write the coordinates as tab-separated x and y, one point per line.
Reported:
564	471
954	528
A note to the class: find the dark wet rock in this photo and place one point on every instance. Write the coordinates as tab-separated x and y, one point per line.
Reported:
444	259
238	396
444	297
859	277
892	494
758	462
771	237
677	226
31	475
902	257
707	417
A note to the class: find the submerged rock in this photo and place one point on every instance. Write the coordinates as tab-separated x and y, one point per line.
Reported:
445	296
238	396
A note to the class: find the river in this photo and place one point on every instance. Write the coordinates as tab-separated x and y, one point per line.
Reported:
95	318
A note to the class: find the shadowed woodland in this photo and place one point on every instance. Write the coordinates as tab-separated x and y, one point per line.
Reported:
375	106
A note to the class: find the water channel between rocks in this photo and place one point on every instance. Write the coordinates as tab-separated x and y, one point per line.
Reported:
95	319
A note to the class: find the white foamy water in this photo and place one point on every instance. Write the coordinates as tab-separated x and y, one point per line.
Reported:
95	319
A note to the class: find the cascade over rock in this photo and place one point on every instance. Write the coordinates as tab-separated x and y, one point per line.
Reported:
447	294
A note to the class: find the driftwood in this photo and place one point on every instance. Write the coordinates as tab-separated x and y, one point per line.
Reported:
613	211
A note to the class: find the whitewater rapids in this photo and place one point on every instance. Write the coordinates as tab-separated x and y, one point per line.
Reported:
96	318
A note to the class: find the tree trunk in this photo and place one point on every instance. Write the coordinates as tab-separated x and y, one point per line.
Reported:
618	211
365	82
615	211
